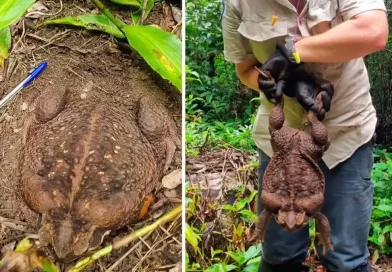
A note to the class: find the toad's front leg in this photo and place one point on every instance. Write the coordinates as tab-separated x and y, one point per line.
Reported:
47	106
159	128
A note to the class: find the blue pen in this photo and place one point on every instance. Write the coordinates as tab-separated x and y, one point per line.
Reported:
32	75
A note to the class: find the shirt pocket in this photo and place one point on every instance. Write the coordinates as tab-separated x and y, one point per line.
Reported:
262	36
259	29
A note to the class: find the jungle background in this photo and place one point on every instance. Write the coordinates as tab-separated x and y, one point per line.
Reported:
222	160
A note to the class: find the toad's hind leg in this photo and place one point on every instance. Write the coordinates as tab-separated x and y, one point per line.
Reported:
323	232
318	129
159	128
276	117
39	194
261	225
108	210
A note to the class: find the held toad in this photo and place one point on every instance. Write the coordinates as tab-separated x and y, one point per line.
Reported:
293	183
88	166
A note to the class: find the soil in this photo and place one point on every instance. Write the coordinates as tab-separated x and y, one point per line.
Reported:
91	64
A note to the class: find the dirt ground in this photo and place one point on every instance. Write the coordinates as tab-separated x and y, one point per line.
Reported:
90	64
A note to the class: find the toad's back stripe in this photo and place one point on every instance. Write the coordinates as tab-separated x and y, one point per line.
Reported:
85	143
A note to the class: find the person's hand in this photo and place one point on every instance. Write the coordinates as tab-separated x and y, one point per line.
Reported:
279	67
268	85
306	93
280	64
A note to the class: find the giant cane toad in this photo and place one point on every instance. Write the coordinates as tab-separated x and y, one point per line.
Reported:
293	183
88	166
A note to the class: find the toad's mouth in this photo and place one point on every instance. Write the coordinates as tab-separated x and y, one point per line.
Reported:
68	240
292	221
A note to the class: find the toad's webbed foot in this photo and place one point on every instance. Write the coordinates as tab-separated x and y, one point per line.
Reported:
323	232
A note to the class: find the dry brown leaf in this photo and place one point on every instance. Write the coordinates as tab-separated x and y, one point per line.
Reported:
177	268
173	179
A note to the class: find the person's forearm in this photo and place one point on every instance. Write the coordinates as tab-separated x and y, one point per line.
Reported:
248	74
350	40
250	78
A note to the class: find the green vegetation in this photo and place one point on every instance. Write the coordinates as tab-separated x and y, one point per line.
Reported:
220	112
10	11
219	109
159	48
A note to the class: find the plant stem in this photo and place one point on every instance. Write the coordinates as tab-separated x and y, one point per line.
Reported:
126	240
143	231
120	24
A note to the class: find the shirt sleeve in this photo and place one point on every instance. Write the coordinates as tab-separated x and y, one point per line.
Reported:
350	8
236	47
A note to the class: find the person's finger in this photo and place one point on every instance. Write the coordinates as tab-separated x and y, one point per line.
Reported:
308	103
326	100
275	66
279	88
329	88
321	115
265	85
270	99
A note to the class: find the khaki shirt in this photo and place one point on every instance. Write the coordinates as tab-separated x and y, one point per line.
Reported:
247	33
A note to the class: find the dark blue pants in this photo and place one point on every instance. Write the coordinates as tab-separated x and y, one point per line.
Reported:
348	207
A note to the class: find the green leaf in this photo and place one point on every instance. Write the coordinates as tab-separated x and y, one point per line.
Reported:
387	228
160	49
49	266
90	22
381	239
255	260
190	236
384	208
231	267
239	205
137	14
221	267
24	245
253	267
238	256
12	10
5	44
252	252
228	207
134	3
